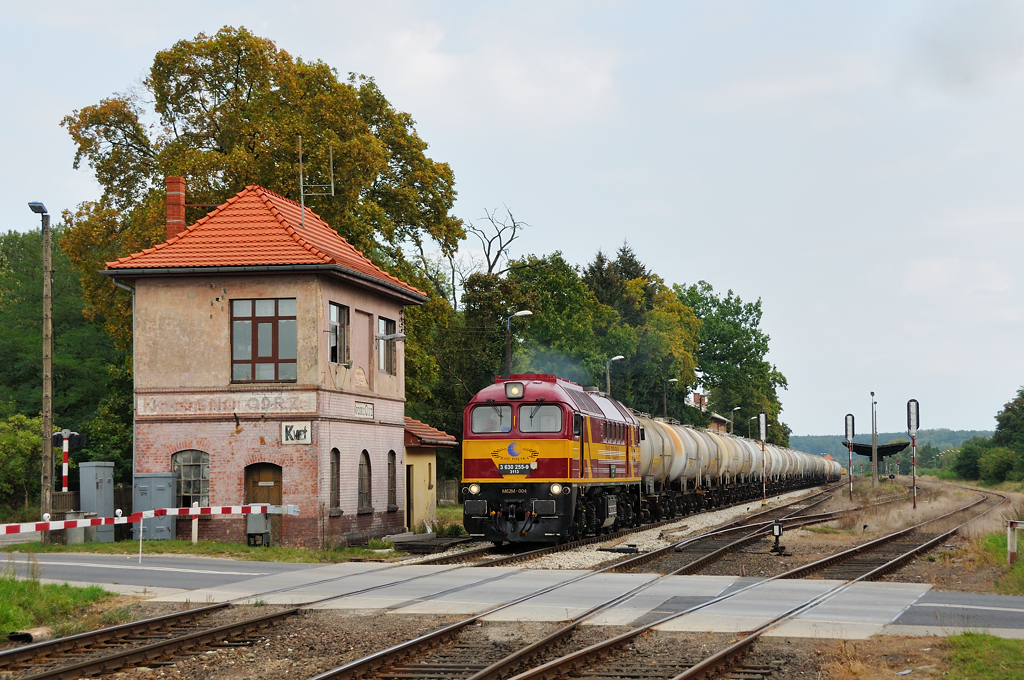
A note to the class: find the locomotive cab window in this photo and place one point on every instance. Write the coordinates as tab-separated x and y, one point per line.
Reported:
540	418
492	418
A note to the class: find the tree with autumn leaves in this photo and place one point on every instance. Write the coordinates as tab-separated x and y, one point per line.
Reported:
227	110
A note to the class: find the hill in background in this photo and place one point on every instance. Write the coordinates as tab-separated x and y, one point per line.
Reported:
835	444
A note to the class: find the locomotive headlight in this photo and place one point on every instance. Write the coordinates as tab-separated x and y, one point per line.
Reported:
513	390
474	489
556	489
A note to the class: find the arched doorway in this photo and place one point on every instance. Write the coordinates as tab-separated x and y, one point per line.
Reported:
263	485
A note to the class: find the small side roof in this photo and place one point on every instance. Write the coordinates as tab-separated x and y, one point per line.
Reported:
420	434
259	229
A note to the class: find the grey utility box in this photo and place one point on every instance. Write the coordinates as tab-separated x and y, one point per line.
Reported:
96	487
150	491
257	527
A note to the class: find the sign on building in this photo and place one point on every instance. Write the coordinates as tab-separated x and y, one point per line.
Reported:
364	409
297	433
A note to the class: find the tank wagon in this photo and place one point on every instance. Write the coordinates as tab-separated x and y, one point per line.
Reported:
544	460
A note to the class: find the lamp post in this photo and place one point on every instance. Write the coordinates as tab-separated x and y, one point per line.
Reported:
46	491
508	339
749	421
608	373
665	395
732	415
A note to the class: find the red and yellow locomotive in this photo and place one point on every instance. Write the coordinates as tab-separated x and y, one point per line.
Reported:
544	460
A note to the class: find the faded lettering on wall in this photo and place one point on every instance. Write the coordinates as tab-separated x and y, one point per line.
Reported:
247	403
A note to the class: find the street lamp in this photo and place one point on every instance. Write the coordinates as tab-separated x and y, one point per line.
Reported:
608	373
750	420
46	495
665	394
508	339
732	414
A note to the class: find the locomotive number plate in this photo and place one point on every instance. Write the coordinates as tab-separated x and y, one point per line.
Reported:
514	468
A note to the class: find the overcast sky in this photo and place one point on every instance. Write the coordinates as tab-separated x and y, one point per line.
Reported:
855	165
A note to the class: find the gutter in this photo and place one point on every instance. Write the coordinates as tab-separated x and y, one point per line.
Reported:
417	298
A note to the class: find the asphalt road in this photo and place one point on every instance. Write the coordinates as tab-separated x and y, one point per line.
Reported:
156	571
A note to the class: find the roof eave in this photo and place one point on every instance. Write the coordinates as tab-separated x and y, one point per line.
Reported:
357	277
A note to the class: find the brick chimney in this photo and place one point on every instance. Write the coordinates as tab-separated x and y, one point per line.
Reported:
175	206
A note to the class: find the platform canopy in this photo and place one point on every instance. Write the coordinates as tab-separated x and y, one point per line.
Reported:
884	450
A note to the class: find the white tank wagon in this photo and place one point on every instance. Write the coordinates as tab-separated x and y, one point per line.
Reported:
686	469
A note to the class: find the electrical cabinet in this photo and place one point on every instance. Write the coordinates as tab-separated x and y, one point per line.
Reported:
96	490
150	491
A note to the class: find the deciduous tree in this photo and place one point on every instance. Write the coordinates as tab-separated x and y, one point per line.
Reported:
228	110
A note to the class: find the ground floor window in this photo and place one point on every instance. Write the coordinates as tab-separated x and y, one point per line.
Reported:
364	481
392	482
193	469
335	478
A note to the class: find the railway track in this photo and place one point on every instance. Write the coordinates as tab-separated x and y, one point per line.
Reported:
494	557
151	641
606	659
156	641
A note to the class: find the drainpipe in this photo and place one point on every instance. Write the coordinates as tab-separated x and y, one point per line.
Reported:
132	291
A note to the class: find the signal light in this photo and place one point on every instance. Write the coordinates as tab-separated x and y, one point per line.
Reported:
513	390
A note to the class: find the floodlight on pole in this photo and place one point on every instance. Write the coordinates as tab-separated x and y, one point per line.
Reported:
46	480
508	339
665	395
732	415
608	372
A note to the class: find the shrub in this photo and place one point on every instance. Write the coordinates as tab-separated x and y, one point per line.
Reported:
995	464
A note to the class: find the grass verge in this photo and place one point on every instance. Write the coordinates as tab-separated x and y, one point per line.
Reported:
235	551
975	656
26	603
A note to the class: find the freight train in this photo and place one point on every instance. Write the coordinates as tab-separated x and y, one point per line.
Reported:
546	460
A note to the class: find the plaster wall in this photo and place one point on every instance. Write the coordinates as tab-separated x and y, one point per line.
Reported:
423	461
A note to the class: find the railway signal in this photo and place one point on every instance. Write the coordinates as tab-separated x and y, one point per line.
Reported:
913	421
849	448
762	431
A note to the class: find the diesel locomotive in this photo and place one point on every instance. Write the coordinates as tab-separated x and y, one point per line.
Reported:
545	460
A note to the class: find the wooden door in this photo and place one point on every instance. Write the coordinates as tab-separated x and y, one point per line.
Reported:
263	485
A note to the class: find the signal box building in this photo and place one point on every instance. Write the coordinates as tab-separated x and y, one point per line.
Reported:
269	367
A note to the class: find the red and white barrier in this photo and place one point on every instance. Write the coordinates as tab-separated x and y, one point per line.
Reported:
146	514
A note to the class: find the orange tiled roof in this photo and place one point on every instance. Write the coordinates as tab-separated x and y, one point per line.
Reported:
427	434
257	227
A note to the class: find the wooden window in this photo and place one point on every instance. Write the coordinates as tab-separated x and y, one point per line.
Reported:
335	478
264	340
193	470
364	483
386	349
392	483
338	334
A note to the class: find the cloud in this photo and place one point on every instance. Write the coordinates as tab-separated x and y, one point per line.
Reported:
497	69
962	46
956	277
771	92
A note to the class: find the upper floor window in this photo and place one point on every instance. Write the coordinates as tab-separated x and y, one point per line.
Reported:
386	348
338	335
264	340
